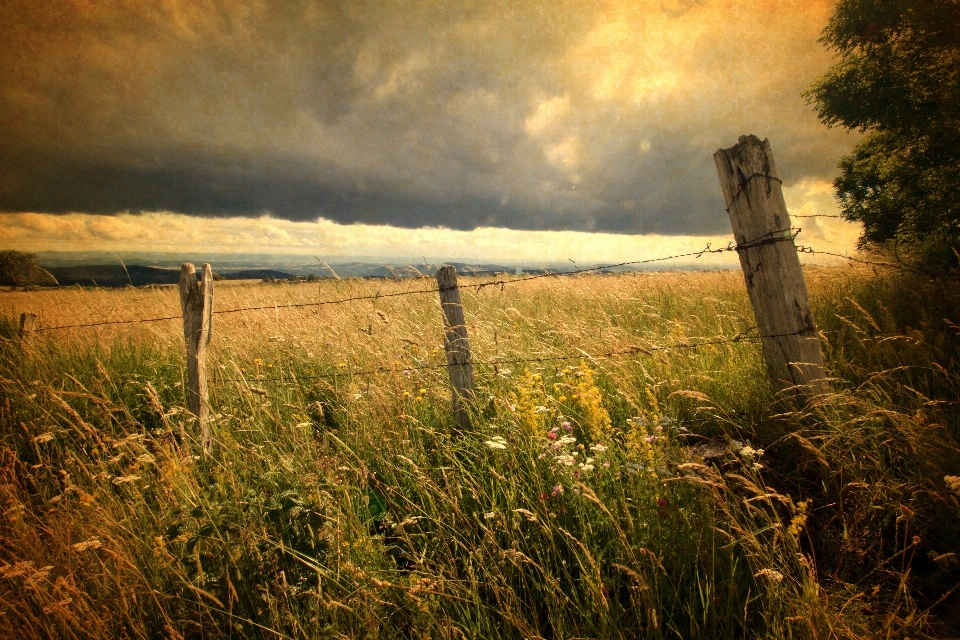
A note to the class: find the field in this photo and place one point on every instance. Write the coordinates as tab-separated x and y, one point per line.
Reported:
648	494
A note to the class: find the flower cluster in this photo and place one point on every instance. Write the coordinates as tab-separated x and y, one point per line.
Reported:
496	442
750	455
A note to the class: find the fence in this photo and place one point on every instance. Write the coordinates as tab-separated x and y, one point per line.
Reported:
764	242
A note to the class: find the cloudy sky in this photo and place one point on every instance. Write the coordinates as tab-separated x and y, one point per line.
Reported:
371	127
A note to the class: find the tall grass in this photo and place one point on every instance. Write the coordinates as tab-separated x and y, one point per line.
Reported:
659	494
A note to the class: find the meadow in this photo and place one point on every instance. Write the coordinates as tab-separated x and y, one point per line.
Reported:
650	494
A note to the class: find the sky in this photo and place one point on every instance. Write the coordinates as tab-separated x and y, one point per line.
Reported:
484	130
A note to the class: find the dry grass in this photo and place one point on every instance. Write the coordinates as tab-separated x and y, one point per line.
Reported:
340	504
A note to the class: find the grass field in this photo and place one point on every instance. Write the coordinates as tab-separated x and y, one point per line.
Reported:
658	494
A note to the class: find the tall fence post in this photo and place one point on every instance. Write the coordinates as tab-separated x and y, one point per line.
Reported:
457	346
196	300
27	323
771	266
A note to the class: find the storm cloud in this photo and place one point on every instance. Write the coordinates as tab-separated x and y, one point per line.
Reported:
525	115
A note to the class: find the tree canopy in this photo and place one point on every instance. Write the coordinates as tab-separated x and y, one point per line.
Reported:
17	269
897	79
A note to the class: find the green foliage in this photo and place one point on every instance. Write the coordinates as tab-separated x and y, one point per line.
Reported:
350	507
18	269
898	80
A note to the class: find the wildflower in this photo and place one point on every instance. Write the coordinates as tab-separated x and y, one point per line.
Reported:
406	394
552	435
649	439
599	448
661	502
605	465
544	496
585	466
682	429
422	391
772	575
566	426
490	515
735	445
540	409
757	466
92	543
562	398
496	442
557	490
658	429
258	362
565	460
567	440
748	451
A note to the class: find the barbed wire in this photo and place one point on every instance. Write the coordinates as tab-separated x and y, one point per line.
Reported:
780	235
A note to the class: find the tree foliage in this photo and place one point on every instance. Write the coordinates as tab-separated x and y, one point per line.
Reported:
898	80
18	269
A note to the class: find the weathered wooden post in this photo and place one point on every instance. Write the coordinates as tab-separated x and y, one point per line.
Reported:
27	323
196	300
456	345
771	267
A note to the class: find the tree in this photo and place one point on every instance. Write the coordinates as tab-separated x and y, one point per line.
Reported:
898	81
17	269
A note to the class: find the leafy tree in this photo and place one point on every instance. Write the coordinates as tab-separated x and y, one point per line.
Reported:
17	269
898	80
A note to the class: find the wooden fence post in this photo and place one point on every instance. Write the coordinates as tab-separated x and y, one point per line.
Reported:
196	300
771	266
457	346
27	322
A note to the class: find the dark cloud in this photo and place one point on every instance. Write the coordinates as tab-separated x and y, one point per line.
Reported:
525	115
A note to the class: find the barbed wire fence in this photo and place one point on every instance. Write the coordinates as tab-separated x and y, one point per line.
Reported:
750	335
498	282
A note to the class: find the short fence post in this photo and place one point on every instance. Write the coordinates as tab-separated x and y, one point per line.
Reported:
27	322
771	267
196	300
456	344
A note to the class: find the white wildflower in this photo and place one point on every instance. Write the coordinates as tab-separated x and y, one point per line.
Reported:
490	515
566	440
92	543
757	466
496	442
748	451
586	467
565	460
772	575
598	448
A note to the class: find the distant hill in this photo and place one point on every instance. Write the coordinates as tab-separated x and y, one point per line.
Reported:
114	275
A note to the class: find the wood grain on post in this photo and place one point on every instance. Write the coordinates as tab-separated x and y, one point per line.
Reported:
456	345
771	266
27	323
196	300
